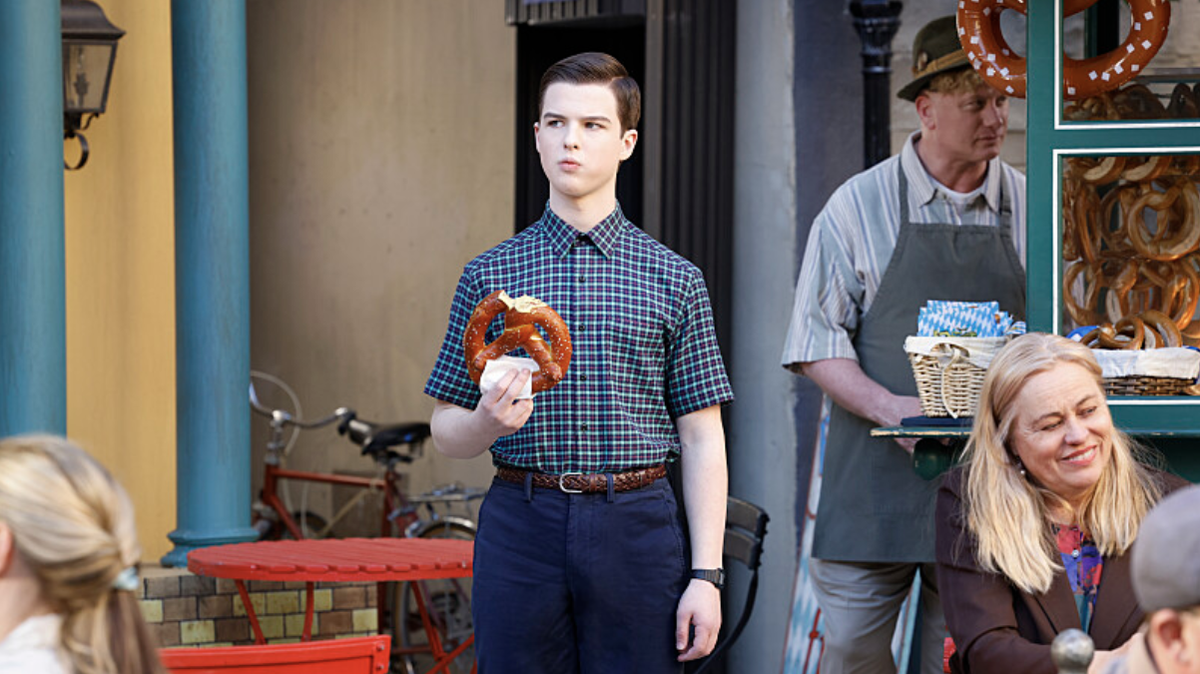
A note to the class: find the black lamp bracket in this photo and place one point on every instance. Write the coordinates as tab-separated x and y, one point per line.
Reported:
83	150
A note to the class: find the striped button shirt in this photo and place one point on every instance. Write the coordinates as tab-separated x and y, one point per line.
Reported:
644	347
852	239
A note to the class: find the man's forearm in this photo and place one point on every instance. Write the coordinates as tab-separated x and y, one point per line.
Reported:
843	380
705	483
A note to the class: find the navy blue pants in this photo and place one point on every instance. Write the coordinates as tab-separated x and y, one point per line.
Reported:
577	583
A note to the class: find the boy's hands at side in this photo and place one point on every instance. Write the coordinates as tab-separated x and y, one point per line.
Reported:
700	607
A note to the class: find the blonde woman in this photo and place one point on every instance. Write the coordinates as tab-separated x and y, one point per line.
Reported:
68	556
1034	529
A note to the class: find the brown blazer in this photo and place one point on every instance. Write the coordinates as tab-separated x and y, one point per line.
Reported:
998	628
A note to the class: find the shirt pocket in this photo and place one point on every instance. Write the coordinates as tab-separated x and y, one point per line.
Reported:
637	348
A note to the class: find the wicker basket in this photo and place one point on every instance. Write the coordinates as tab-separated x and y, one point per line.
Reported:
949	374
1152	372
1147	386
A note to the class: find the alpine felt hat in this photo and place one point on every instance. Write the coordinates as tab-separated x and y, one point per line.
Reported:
936	50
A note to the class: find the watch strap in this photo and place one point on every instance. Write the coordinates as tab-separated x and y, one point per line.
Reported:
714	576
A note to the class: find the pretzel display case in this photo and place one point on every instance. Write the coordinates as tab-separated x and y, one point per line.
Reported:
1129	243
1114	197
1113	192
1127	62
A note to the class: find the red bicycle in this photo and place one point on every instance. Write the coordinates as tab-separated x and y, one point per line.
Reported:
427	515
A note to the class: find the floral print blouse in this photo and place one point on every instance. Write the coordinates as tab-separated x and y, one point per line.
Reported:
1083	563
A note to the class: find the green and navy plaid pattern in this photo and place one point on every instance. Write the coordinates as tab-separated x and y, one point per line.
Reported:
645	352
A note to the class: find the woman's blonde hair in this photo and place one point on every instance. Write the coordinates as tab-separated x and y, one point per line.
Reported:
73	524
1008	513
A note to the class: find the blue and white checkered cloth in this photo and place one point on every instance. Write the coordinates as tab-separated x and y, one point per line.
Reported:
942	318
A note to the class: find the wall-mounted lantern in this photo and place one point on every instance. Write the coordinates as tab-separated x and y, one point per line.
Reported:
89	44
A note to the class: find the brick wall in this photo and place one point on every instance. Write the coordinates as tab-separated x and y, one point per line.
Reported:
183	609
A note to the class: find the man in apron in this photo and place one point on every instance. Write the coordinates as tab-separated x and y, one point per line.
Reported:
944	219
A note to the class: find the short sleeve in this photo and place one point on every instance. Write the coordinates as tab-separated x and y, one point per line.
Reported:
829	295
449	381
695	374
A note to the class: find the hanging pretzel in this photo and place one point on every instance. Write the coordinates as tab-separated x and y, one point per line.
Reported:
1178	286
1091	280
1162	329
1080	210
1162	246
1183	103
1136	101
1106	171
1121	197
1149	170
981	38
1119	287
522	316
1186	165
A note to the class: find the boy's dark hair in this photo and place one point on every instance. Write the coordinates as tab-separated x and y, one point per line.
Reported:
597	68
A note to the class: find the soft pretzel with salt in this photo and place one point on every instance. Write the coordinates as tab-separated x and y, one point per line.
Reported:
522	317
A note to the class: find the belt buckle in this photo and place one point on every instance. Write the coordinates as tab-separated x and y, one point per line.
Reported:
563	488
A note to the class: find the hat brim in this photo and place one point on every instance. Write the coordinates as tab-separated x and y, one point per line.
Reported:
913	89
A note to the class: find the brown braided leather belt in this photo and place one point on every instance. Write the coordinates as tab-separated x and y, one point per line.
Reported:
581	483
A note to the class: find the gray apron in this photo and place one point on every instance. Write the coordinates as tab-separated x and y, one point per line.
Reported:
874	507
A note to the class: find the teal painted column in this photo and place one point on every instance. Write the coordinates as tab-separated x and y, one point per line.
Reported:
212	272
33	343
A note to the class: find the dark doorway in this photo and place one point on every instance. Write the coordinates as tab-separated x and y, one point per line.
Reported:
678	185
538	48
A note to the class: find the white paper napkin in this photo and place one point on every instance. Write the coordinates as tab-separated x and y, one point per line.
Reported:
495	370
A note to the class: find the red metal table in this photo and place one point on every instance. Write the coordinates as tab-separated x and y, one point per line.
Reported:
378	560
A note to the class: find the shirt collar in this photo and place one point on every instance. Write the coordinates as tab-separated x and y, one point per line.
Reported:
604	235
921	185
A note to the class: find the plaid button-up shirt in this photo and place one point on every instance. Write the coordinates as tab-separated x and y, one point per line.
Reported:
644	349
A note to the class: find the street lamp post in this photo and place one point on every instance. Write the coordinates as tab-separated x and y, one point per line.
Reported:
876	22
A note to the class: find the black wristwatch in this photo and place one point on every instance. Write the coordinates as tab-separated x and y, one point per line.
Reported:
714	576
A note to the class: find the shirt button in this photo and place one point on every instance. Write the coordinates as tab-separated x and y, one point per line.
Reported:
580	328
583	426
1075	553
583	377
581	278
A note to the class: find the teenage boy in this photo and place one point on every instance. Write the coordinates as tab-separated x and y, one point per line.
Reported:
596	579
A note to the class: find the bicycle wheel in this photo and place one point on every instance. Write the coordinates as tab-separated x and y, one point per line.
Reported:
448	603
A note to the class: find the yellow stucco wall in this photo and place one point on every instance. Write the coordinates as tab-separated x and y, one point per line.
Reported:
120	275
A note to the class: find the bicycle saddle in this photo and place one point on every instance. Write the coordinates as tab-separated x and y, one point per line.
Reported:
374	438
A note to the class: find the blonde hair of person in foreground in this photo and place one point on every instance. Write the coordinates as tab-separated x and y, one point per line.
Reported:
68	557
1009	513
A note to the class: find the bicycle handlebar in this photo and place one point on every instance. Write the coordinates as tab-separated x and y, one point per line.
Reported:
375	439
282	418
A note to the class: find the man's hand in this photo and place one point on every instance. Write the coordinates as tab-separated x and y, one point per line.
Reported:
844	381
902	408
464	434
700	606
